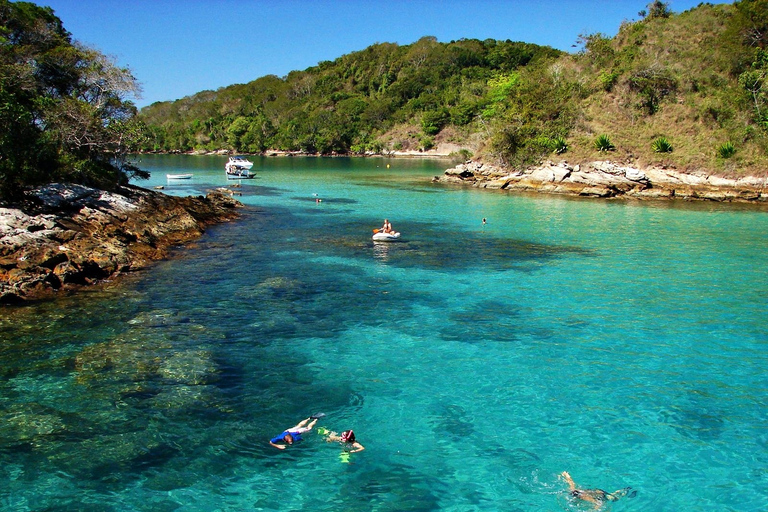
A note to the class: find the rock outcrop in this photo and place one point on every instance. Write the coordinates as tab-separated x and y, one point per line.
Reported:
67	236
608	179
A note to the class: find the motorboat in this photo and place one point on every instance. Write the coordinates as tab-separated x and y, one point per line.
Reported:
381	236
240	161
179	176
235	172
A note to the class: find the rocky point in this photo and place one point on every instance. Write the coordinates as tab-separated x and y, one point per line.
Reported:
68	236
609	179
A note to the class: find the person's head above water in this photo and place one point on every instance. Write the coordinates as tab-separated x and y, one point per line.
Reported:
348	436
288	438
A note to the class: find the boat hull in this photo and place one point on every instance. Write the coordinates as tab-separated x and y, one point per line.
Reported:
178	176
246	175
386	237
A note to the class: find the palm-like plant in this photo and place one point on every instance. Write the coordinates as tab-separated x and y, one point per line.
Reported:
603	143
726	150
661	145
559	145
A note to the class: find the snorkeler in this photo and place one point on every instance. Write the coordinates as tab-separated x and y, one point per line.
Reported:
293	434
597	496
347	439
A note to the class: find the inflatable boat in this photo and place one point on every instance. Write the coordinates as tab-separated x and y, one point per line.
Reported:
386	237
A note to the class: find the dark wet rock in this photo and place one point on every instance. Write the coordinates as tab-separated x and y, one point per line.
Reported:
68	236
608	179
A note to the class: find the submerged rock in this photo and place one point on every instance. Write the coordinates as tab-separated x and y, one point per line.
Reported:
191	367
25	422
68	236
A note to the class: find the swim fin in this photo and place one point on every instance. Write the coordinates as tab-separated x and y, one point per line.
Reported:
317	415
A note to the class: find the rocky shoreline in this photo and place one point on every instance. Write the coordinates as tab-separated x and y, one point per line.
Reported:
608	180
68	236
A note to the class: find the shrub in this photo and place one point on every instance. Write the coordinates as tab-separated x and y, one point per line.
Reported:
653	85
726	150
426	143
462	154
608	80
661	145
603	143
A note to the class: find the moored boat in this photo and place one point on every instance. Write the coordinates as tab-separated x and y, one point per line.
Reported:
236	172
179	176
240	161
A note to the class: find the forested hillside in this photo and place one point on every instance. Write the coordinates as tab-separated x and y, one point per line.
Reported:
685	90
350	104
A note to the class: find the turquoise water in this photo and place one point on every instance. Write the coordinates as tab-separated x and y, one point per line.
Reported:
623	342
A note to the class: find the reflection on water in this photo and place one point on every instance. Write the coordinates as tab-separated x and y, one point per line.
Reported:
381	250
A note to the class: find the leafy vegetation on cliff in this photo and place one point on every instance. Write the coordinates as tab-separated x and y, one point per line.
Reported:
696	79
64	113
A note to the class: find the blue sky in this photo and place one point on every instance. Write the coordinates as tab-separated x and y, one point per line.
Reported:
176	48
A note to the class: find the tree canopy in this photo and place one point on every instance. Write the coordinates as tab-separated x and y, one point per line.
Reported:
65	109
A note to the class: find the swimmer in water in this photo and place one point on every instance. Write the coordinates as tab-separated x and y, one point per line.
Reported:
293	434
596	496
346	438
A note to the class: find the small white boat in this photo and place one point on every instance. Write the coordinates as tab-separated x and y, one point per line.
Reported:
235	172
386	237
240	161
179	176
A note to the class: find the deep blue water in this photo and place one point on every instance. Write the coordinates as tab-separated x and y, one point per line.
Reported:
624	342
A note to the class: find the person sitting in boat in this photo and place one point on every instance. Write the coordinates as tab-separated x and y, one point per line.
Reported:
346	438
596	496
293	434
387	227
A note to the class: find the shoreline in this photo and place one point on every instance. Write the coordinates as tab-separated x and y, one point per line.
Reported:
609	180
70	236
447	151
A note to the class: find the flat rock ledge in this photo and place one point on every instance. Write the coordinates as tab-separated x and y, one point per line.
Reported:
607	179
69	236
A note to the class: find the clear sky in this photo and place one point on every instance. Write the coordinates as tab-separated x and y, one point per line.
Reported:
176	48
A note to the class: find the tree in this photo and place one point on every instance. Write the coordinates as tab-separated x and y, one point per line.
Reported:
65	109
656	9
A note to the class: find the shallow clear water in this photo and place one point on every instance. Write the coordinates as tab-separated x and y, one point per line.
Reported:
624	342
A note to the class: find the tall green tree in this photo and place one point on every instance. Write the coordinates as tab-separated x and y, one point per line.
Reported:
65	109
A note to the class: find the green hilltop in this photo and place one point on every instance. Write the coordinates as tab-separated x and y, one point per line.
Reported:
684	90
